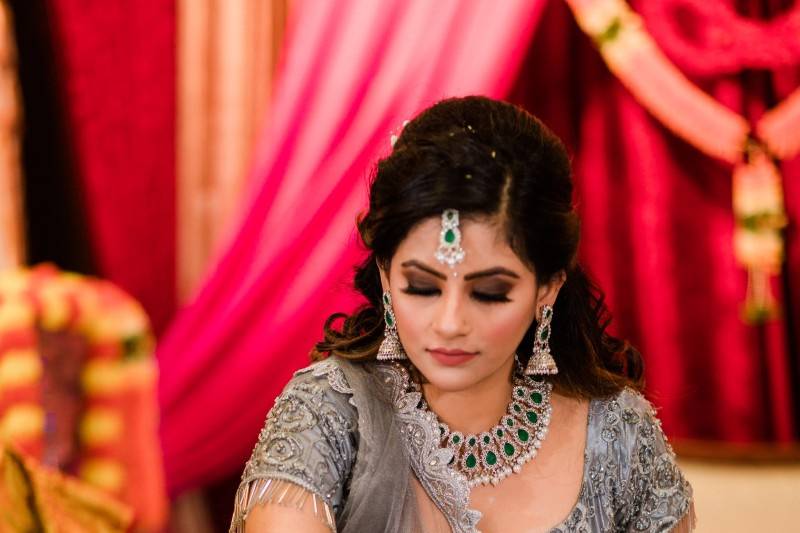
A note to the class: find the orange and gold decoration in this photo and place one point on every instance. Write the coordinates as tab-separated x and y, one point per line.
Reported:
37	498
78	385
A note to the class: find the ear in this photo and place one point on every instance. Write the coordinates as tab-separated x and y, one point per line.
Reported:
546	293
384	277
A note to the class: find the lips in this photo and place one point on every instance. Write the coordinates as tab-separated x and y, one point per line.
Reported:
449	357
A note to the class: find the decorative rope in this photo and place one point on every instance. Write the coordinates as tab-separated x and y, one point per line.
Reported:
635	58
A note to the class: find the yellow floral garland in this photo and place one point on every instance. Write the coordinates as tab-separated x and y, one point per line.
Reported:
119	368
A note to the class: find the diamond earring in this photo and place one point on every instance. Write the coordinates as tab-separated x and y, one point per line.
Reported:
390	348
541	361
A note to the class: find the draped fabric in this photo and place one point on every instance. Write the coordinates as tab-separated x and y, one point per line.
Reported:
657	232
227	53
11	221
117	67
657	220
353	71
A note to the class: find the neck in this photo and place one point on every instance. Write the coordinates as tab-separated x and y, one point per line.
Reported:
476	409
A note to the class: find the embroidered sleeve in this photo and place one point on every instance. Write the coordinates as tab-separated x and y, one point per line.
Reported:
304	452
656	497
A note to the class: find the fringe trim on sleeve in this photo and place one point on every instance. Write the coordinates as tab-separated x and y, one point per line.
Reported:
265	491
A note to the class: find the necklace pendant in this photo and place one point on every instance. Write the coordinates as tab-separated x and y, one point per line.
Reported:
491	456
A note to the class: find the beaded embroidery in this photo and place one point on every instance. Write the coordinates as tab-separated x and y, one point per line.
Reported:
630	483
493	455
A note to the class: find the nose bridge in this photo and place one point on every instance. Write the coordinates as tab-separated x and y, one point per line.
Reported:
451	319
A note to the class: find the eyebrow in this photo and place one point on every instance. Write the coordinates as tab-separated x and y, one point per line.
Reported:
496	271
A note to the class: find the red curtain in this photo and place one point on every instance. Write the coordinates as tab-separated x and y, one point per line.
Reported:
117	64
657	234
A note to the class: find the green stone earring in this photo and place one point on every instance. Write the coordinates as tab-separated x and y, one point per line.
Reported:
541	361
390	348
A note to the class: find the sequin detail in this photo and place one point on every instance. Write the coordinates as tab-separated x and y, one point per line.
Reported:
447	488
305	450
630	481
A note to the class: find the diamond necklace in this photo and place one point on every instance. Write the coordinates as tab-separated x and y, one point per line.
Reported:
491	456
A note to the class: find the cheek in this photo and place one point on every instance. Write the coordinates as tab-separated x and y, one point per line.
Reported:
505	328
411	314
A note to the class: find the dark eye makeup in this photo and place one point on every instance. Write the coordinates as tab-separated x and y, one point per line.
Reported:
481	296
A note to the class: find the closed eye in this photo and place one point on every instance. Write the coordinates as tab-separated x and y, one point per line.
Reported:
421	291
484	297
490	297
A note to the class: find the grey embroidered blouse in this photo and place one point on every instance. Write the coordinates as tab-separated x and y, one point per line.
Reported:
340	434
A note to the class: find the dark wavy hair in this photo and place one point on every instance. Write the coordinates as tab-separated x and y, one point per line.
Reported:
488	158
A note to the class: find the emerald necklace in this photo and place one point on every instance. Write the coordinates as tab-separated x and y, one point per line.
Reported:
493	455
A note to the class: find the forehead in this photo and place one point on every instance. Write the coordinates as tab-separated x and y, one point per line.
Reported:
483	240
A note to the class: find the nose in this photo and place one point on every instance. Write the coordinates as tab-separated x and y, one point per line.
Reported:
450	320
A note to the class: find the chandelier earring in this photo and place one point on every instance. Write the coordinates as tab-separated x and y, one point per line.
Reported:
541	361
390	348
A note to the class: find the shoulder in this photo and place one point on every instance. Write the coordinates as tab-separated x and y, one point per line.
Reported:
627	403
310	434
321	382
625	429
618	420
626	437
316	402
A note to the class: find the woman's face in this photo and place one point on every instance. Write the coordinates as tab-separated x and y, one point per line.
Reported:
461	326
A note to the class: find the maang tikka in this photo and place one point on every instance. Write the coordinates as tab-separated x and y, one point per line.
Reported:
390	348
449	251
541	361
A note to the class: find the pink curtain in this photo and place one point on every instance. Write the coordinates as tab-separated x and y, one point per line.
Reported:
353	71
657	230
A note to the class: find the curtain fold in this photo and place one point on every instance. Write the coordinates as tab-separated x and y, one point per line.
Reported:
227	54
12	238
353	71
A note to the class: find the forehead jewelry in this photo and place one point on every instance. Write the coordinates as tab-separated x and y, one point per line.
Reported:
450	252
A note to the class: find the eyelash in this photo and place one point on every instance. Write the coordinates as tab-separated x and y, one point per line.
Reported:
480	296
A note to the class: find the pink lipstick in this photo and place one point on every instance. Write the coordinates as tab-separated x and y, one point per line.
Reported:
448	357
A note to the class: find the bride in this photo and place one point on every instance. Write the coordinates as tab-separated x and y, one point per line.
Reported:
478	389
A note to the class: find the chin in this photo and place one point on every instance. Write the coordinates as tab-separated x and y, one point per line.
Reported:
451	379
